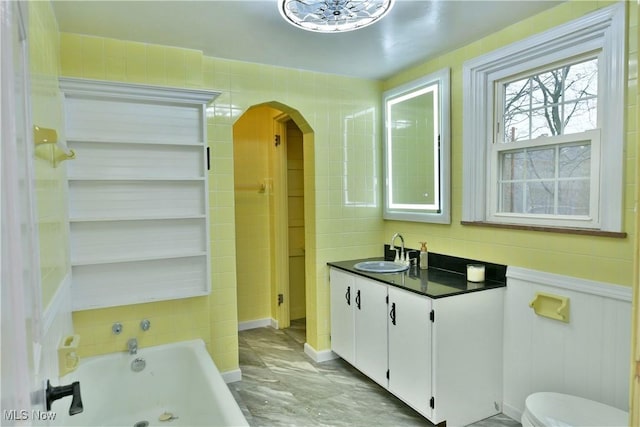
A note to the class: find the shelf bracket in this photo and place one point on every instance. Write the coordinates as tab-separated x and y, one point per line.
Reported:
45	137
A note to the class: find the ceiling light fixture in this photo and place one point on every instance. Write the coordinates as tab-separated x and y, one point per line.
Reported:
333	16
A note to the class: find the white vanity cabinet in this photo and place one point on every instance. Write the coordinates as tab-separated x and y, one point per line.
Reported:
441	356
359	323
410	361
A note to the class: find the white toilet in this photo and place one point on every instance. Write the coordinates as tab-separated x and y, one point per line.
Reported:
547	409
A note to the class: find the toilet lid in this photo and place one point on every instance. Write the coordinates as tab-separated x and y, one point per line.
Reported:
563	410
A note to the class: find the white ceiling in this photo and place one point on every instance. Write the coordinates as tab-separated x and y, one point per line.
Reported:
254	31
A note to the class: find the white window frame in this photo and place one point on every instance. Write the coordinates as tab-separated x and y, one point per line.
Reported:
602	31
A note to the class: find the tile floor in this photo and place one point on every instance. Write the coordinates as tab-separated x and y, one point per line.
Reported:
281	386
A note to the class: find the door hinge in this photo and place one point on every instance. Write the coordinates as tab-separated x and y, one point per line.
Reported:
387	374
387	299
432	316
280	299
277	140
432	402
208	158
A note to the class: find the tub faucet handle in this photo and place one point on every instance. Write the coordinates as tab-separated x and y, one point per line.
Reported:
73	389
132	345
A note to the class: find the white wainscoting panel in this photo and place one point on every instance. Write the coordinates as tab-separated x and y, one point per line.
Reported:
587	357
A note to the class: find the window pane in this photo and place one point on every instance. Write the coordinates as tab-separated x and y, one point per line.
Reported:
541	163
542	121
555	102
573	197
516	127
516	96
540	196
582	80
580	116
511	197
513	165
546	89
575	161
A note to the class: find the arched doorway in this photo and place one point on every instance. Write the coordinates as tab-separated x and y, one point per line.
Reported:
272	210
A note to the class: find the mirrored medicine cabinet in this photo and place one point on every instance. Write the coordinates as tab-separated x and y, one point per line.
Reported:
417	150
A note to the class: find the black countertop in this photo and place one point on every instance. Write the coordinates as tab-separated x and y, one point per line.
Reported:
434	282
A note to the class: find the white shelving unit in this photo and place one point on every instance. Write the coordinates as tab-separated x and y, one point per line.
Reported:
138	199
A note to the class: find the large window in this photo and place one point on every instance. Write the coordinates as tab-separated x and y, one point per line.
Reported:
543	129
546	145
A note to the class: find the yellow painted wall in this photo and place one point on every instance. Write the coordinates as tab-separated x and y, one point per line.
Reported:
340	110
252	145
50	181
597	258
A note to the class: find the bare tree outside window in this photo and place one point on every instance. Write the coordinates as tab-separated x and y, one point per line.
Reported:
552	179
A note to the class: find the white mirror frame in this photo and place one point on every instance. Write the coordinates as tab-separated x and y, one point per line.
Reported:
421	213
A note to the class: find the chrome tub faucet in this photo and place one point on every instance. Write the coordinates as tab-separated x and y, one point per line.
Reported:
132	345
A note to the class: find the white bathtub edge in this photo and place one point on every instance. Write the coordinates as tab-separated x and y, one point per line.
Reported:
232	376
319	356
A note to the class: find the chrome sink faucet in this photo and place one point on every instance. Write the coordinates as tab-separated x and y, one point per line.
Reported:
132	345
393	239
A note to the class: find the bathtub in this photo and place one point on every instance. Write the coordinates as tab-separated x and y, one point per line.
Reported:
178	386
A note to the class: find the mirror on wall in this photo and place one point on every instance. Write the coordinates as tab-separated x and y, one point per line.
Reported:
417	150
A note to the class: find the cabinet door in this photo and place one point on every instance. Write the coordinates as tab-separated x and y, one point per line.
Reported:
342	323
371	329
410	331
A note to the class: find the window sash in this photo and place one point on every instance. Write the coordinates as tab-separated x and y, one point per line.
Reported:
500	84
591	220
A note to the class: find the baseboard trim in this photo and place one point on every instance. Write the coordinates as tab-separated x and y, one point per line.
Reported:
511	412
319	356
258	323
232	376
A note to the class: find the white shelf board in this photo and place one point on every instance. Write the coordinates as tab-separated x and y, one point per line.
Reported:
131	178
93	140
97	261
135	218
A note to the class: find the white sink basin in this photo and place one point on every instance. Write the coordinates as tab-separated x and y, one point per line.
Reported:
380	266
